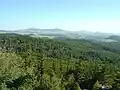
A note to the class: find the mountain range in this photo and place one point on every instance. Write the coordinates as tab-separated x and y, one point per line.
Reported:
62	34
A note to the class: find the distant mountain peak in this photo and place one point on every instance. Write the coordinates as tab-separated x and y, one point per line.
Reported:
31	29
54	29
60	33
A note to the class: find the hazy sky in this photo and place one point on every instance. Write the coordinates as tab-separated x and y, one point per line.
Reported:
91	15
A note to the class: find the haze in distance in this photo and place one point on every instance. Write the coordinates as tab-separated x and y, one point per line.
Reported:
71	15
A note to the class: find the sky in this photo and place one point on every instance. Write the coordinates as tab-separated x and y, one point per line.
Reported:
73	15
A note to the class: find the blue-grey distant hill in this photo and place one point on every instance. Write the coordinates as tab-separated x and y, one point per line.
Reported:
63	34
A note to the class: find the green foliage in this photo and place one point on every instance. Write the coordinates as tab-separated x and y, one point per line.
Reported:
97	85
28	63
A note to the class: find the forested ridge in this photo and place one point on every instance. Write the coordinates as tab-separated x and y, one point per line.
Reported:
28	63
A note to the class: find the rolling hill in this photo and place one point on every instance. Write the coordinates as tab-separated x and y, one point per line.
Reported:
63	34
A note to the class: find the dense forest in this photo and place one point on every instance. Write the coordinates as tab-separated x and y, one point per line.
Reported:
28	63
